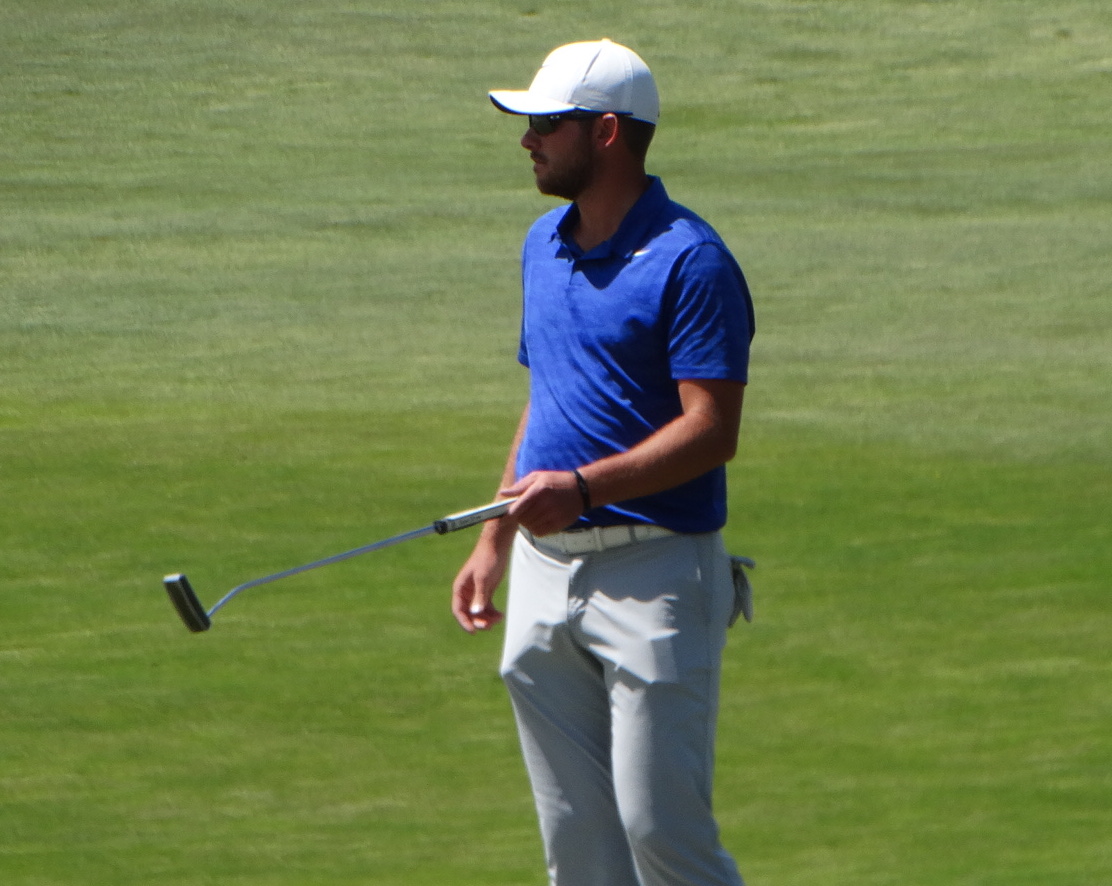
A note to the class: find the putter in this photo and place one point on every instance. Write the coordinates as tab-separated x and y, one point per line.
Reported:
195	617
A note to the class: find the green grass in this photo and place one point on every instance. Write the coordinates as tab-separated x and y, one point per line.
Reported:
258	304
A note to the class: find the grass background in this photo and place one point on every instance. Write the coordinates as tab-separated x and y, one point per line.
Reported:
258	304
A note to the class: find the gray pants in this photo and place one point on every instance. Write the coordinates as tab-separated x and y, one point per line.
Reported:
612	660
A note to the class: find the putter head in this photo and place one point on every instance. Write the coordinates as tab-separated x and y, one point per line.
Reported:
186	603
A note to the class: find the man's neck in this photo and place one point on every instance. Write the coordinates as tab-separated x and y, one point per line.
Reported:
603	207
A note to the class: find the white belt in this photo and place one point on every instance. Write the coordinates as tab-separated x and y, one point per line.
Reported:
595	539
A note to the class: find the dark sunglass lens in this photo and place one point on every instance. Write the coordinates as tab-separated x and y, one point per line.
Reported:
543	125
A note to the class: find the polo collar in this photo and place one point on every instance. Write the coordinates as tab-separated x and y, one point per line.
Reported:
631	232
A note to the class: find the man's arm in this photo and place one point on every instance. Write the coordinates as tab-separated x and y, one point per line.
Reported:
474	587
702	438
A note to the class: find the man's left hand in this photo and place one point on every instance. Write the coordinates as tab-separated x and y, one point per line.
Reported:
547	501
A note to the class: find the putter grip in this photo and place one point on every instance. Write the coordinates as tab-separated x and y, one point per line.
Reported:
470	518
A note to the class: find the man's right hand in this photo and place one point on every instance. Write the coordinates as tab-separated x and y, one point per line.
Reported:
474	587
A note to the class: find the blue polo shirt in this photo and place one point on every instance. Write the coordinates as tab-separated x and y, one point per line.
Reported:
607	334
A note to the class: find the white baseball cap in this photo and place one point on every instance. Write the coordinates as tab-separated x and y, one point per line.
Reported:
598	75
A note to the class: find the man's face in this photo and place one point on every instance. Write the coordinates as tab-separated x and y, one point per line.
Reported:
563	161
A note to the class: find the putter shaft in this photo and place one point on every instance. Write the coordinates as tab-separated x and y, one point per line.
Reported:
327	561
195	617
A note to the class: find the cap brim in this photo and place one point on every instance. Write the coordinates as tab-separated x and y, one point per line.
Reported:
521	101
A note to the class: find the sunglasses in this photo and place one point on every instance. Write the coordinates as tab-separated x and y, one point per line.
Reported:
546	124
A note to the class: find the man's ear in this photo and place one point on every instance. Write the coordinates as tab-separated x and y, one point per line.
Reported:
607	133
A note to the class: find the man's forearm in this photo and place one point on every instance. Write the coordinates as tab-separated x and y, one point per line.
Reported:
703	438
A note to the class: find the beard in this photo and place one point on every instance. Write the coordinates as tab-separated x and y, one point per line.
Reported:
571	176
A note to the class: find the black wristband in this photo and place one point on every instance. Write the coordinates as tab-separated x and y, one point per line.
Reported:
583	490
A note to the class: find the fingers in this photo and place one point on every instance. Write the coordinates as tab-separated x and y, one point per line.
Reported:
463	601
483	618
471	604
518	488
477	617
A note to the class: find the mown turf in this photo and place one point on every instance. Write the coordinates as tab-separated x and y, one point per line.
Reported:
258	305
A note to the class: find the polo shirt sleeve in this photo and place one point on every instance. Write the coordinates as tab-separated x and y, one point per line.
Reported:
711	316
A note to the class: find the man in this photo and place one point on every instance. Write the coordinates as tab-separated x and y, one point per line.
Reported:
635	332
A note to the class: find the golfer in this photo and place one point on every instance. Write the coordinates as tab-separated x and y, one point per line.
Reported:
635	331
